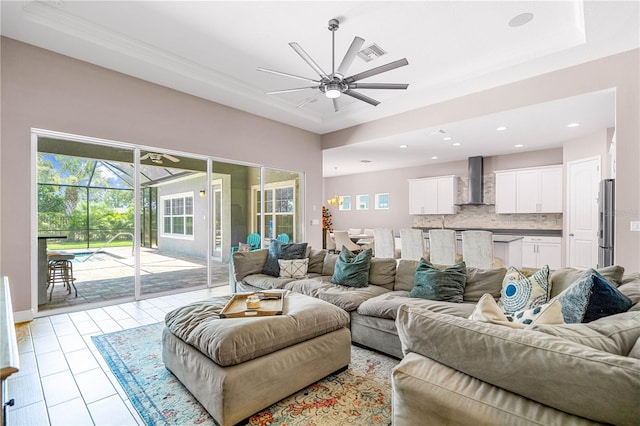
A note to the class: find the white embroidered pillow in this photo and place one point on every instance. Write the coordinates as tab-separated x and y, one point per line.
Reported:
295	268
487	310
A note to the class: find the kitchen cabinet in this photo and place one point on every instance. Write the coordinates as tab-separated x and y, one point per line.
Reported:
432	195
540	251
532	190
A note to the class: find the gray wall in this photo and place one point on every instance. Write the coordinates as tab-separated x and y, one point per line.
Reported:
42	89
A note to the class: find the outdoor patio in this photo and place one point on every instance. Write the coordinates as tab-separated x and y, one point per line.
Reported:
109	275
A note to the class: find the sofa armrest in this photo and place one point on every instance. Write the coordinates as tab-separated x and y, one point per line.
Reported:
567	376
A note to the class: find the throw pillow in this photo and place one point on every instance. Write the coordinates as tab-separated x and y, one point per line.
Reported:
352	270
520	292
487	310
295	268
435	284
280	250
590	298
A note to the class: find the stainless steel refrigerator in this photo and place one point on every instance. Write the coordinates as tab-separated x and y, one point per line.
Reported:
606	222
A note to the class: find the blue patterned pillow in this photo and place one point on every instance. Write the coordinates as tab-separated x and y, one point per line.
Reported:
520	292
435	284
352	270
590	298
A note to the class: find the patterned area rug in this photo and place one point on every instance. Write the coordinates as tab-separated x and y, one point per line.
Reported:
360	395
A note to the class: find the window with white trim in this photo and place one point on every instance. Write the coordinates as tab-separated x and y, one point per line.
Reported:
177	212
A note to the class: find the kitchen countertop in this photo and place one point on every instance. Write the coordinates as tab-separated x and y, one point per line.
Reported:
510	232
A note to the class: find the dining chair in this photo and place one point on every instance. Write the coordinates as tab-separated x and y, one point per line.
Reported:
412	244
477	249
342	239
330	243
442	246
384	243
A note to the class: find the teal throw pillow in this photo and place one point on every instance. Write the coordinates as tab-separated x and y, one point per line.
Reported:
352	270
590	298
285	251
434	284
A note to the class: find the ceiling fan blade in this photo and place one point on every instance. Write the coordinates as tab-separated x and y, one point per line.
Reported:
171	158
378	86
361	97
306	101
144	157
287	75
349	57
378	70
275	92
304	55
336	105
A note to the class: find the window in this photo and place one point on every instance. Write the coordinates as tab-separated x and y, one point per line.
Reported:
362	202
279	209
177	215
346	202
382	201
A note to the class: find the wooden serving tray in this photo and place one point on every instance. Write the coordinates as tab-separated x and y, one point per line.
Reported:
271	303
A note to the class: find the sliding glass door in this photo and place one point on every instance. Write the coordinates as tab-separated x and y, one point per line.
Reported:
179	259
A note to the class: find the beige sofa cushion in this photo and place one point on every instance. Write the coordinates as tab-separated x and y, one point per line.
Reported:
232	341
248	263
309	287
615	334
266	282
382	272
386	305
329	264
564	277
482	281
349	298
567	376
316	261
405	274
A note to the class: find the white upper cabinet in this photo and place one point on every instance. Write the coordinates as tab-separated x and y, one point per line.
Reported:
432	195
533	190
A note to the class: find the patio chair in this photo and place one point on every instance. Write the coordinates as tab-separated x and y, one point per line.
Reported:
253	243
284	238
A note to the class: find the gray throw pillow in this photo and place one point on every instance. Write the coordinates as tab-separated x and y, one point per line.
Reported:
352	270
285	251
434	284
590	298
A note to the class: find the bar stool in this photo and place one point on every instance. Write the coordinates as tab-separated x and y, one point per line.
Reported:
61	271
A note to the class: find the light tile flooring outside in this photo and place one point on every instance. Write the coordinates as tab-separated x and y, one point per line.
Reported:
63	379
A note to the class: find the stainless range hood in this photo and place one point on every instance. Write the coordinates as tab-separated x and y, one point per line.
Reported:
476	187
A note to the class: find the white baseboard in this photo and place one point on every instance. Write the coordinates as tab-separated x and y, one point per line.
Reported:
23	316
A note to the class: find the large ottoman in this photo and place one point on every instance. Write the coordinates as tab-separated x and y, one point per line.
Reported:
236	367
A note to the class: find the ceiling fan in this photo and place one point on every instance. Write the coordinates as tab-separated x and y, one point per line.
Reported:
335	84
156	157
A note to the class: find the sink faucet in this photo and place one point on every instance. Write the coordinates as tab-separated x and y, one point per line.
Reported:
442	221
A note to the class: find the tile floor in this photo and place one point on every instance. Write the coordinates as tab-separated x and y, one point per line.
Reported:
63	379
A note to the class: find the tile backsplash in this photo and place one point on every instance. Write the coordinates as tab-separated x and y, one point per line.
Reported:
485	216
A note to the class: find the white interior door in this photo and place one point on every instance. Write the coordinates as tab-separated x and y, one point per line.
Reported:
583	177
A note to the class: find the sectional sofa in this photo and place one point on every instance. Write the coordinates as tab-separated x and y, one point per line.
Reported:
449	372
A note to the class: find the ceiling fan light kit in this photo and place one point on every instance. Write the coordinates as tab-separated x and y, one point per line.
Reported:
335	84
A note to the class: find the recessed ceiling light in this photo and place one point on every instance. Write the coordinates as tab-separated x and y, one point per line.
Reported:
404	146
447	138
365	161
434	158
573	124
456	144
520	20
501	128
518	145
